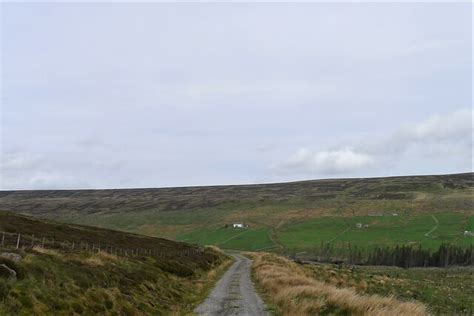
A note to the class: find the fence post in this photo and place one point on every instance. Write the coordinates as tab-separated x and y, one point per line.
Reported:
18	241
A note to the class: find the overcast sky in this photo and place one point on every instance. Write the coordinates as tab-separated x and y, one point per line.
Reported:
150	95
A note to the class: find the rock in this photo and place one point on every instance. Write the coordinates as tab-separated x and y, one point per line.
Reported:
6	271
12	256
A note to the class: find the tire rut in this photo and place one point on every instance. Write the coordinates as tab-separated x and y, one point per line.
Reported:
234	293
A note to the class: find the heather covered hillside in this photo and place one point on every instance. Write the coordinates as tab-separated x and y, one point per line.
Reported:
416	210
53	272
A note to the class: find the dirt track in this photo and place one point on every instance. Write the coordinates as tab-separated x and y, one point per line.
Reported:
234	293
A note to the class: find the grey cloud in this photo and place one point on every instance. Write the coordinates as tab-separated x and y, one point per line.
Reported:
10	162
454	128
451	127
448	135
162	94
325	162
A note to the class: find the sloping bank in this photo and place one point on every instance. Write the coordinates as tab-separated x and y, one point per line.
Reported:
290	288
58	279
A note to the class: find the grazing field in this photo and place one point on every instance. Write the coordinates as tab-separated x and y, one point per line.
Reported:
228	238
381	231
68	281
470	224
292	216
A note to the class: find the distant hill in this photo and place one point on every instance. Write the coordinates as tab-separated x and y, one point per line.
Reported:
155	277
198	214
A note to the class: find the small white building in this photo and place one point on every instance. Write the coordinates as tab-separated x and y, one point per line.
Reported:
238	225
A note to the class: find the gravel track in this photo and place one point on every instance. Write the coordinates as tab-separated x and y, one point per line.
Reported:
234	293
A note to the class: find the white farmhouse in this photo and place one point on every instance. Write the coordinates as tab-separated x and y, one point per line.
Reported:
238	225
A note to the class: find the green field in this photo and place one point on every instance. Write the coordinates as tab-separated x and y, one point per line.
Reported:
381	231
229	238
470	224
281	216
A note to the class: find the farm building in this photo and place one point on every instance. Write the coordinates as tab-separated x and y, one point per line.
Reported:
240	225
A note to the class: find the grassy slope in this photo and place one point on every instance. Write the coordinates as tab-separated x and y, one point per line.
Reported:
446	291
54	281
275	212
387	230
291	288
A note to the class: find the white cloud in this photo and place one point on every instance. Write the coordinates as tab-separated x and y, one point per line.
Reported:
456	126
448	135
38	180
171	99
17	161
326	161
48	180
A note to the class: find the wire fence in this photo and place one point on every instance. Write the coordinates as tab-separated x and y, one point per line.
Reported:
24	241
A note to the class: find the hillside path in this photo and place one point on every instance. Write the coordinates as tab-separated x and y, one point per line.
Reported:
434	228
234	293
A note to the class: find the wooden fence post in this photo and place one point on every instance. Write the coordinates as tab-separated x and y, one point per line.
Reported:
18	241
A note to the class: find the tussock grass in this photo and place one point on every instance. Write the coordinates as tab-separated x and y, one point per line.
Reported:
46	251
55	282
77	282
290	288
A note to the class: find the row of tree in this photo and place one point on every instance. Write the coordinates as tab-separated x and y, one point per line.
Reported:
405	256
408	256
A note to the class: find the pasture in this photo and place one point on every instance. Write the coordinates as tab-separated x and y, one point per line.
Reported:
229	238
293	216
429	231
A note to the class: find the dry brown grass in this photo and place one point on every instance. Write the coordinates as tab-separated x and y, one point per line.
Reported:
46	251
295	293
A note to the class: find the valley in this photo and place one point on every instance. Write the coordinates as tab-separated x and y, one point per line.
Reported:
295	216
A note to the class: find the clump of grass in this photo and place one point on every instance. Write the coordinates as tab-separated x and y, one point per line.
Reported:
295	293
73	281
99	283
46	251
